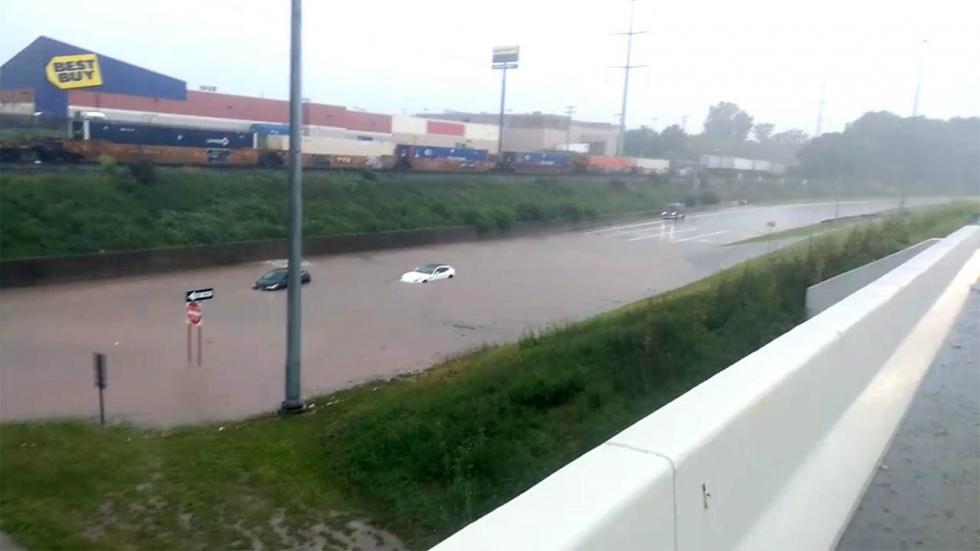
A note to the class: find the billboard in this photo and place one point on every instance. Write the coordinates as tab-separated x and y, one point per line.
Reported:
66	72
506	54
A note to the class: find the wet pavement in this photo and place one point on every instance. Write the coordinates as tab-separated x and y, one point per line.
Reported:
360	322
926	492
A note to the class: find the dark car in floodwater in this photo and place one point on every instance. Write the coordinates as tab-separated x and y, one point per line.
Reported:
675	211
274	280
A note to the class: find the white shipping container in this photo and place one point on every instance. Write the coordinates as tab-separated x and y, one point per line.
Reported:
167	119
778	168
325	131
741	164
761	166
403	124
437	140
712	161
335	146
474	131
659	166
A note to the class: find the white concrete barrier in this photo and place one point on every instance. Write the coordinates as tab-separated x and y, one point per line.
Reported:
825	294
773	452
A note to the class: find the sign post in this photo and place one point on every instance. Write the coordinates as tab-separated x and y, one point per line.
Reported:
100	383
195	316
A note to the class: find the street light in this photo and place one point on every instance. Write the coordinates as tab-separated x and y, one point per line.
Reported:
504	57
294	402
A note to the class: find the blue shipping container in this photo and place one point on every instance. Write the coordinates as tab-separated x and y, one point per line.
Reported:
541	159
141	134
451	153
270	129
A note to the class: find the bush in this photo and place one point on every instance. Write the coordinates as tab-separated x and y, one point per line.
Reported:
143	171
709	197
478	219
369	175
530	211
691	200
503	219
571	211
617	185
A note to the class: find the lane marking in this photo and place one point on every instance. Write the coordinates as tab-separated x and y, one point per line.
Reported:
617	228
702	236
665	235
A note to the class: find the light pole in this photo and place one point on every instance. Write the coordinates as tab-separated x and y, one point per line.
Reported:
504	57
570	110
294	402
915	124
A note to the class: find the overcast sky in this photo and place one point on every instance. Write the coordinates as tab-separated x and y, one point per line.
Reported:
769	56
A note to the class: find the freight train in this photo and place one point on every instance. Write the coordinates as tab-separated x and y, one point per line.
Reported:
267	146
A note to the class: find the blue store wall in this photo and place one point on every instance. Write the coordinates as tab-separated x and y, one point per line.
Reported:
26	70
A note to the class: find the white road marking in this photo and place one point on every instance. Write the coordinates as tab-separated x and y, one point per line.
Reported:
618	228
663	234
702	236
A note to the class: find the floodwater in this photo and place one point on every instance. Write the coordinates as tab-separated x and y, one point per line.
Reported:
359	321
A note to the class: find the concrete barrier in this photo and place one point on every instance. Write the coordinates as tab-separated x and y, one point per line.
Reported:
825	294
773	452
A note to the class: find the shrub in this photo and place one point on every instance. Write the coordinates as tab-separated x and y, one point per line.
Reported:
691	199
571	211
143	171
478	219
503	218
617	185
369	175
709	197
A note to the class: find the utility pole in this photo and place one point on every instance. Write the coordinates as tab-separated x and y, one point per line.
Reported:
504	58
684	124
570	110
626	76
820	105
294	402
915	123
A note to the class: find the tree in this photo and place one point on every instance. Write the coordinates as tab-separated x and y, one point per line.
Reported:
674	143
727	122
762	132
641	142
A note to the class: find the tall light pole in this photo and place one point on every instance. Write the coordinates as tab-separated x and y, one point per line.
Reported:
626	77
504	58
570	110
294	402
915	123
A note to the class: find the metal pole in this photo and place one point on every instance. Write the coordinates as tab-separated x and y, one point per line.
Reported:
200	342
188	343
503	96
570	110
101	406
626	82
840	188
293	401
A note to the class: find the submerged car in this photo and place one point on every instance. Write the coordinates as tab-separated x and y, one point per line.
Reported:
276	279
675	211
429	272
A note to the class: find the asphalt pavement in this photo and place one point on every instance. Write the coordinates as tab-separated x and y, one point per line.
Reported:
360	322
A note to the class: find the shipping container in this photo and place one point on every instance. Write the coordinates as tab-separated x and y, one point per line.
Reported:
164	135
742	164
777	168
334	146
269	129
711	161
450	153
604	164
651	166
429	140
559	159
761	166
162	155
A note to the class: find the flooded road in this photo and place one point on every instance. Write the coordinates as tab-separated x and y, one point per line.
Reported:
359	321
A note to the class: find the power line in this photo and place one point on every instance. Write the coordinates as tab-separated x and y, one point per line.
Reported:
626	76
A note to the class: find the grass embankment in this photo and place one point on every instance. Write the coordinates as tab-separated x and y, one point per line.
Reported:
87	211
424	455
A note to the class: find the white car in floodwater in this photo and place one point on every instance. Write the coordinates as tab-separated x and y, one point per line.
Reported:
429	272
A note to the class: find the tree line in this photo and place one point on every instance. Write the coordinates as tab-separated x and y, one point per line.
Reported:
878	146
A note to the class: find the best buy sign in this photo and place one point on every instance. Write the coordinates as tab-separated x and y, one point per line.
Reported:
74	71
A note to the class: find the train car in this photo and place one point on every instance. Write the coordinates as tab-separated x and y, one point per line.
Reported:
95	151
165	136
604	164
551	162
646	167
442	159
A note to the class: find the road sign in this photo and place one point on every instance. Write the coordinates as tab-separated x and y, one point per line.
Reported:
506	54
194	313
197	295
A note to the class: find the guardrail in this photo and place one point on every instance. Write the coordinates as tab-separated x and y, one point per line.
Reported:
773	452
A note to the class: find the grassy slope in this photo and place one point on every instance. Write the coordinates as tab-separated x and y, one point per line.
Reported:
80	212
423	455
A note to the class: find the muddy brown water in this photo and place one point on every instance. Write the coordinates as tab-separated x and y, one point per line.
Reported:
360	322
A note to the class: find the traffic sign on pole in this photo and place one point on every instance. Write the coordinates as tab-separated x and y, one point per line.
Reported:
194	313
196	295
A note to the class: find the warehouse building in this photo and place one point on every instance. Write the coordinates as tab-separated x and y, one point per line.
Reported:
540	132
50	81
